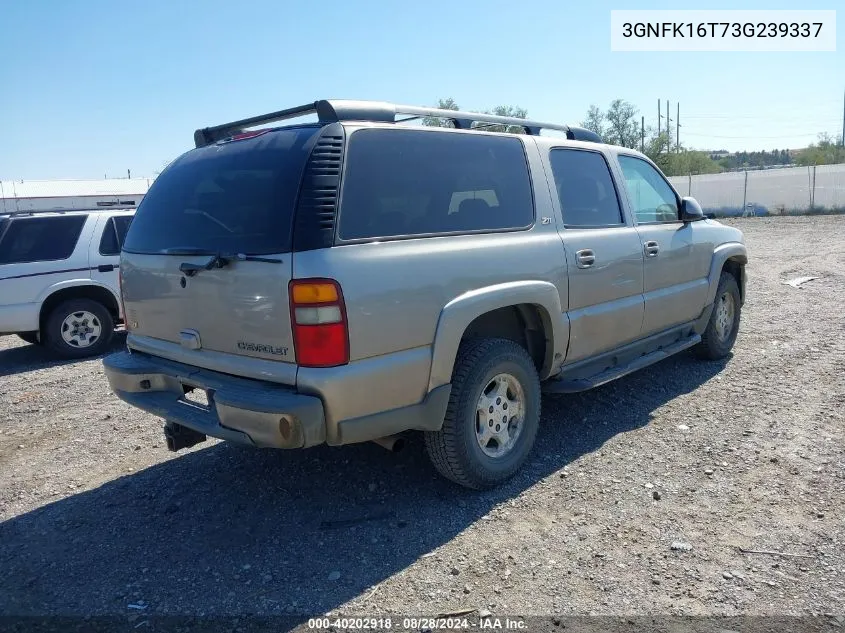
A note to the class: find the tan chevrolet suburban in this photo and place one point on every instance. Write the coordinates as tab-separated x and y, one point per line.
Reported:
361	276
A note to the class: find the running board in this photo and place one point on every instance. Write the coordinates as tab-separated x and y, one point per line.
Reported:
574	385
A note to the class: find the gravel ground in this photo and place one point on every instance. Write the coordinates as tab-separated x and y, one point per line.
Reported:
96	517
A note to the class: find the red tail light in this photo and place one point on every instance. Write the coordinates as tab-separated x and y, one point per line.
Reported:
120	297
318	318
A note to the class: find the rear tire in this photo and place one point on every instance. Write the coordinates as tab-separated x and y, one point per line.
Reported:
29	337
78	328
720	335
478	451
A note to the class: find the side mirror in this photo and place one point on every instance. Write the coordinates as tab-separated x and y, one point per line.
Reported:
691	210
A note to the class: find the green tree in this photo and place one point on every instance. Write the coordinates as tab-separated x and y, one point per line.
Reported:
691	162
617	126
595	121
623	129
620	125
656	148
515	112
825	152
443	104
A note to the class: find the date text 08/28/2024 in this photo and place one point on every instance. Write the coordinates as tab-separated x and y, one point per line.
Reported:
415	623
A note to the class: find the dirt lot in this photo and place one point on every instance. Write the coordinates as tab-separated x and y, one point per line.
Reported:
98	518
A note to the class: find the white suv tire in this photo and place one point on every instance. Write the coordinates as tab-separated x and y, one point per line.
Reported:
78	328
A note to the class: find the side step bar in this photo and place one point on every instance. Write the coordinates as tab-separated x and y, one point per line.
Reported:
574	385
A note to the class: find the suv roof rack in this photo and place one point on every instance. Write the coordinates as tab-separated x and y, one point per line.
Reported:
335	110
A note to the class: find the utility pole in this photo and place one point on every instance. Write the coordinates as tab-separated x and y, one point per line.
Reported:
678	129
659	116
843	120
642	135
668	129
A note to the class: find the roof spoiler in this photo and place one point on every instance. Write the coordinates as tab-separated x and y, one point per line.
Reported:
334	110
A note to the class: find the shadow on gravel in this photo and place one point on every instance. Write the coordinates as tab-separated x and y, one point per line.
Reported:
27	357
227	530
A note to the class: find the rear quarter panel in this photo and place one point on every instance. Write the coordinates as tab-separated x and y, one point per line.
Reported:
395	291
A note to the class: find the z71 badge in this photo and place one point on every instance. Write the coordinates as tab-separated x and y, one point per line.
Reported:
262	349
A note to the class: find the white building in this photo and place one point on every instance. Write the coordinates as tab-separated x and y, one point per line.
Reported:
67	195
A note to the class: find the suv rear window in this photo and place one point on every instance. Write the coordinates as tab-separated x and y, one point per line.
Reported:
233	197
401	182
40	239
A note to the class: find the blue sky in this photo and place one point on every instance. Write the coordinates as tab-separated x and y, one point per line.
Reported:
96	87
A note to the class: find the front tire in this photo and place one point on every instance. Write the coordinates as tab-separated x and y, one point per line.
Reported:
493	415
720	334
79	328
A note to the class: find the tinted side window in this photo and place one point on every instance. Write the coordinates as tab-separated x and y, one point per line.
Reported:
108	243
585	188
121	225
40	239
412	182
651	196
114	234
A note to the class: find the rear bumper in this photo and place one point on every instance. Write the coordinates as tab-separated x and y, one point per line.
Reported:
240	410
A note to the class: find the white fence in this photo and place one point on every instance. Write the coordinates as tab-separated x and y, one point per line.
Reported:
791	190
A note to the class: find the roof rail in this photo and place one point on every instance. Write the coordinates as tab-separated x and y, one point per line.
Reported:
334	110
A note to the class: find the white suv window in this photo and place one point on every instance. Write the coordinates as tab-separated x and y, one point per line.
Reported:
40	239
114	234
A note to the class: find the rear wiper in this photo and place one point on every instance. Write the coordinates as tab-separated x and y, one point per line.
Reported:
219	260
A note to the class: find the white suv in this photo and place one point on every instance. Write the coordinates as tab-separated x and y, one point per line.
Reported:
59	282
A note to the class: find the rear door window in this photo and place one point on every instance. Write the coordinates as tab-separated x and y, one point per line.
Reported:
231	197
585	189
114	234
401	182
40	239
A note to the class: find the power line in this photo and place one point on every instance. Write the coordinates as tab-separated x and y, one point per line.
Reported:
803	123
814	107
743	116
751	136
718	116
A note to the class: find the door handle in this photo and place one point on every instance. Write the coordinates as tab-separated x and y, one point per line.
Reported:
585	258
652	248
105	268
